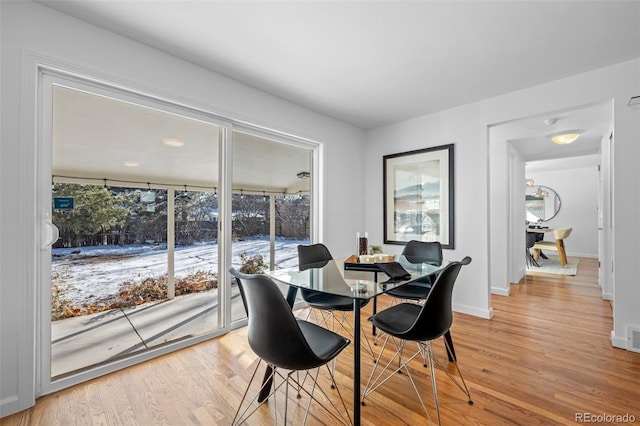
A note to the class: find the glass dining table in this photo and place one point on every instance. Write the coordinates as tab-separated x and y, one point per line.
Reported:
332	278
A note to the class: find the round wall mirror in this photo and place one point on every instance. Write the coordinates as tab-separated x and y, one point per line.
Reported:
541	203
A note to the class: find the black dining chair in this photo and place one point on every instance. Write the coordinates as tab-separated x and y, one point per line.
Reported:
316	256
285	342
422	252
531	239
419	252
410	322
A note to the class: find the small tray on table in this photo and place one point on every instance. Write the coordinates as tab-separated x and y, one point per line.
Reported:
352	263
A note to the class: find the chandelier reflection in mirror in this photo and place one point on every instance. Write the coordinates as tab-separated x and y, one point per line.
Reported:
541	202
539	193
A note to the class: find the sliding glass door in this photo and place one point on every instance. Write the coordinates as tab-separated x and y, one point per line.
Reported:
144	205
133	195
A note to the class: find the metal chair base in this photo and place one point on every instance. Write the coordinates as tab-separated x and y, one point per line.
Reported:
424	351
241	416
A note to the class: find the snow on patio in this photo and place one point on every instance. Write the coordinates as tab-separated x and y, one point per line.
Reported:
97	272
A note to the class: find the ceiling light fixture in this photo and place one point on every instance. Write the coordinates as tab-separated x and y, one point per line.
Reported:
131	163
303	175
565	137
174	142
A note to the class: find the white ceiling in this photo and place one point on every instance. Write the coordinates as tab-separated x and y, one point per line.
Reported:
530	135
372	63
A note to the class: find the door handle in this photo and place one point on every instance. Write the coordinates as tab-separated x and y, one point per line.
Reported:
49	232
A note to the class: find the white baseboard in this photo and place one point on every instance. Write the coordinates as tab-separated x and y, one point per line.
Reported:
470	310
9	406
617	341
589	255
500	291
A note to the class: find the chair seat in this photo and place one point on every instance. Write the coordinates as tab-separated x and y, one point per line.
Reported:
413	291
330	302
547	245
558	245
397	319
324	343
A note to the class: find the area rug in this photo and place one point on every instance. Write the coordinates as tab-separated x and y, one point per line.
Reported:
552	266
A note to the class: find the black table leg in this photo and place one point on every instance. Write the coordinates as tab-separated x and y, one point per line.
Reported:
356	362
375	309
451	353
291	296
375	303
267	383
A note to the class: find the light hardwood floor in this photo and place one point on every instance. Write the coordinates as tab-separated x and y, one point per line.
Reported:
544	358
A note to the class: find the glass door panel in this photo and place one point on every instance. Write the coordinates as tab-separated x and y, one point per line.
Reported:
196	258
134	198
270	206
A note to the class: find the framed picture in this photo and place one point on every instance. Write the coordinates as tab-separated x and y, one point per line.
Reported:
418	196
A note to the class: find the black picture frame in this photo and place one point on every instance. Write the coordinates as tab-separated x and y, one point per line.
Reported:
418	196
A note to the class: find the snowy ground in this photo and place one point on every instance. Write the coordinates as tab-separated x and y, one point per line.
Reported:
90	273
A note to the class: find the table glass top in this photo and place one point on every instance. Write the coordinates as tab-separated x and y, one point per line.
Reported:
331	278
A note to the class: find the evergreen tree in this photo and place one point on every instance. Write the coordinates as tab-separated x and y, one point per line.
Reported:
95	212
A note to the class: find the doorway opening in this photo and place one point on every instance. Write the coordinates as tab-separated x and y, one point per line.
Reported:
525	145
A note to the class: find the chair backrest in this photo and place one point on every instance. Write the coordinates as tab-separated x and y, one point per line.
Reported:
436	316
273	331
561	233
313	256
423	252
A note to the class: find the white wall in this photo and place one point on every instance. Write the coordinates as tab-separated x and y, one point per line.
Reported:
467	127
31	30
577	188
463	128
